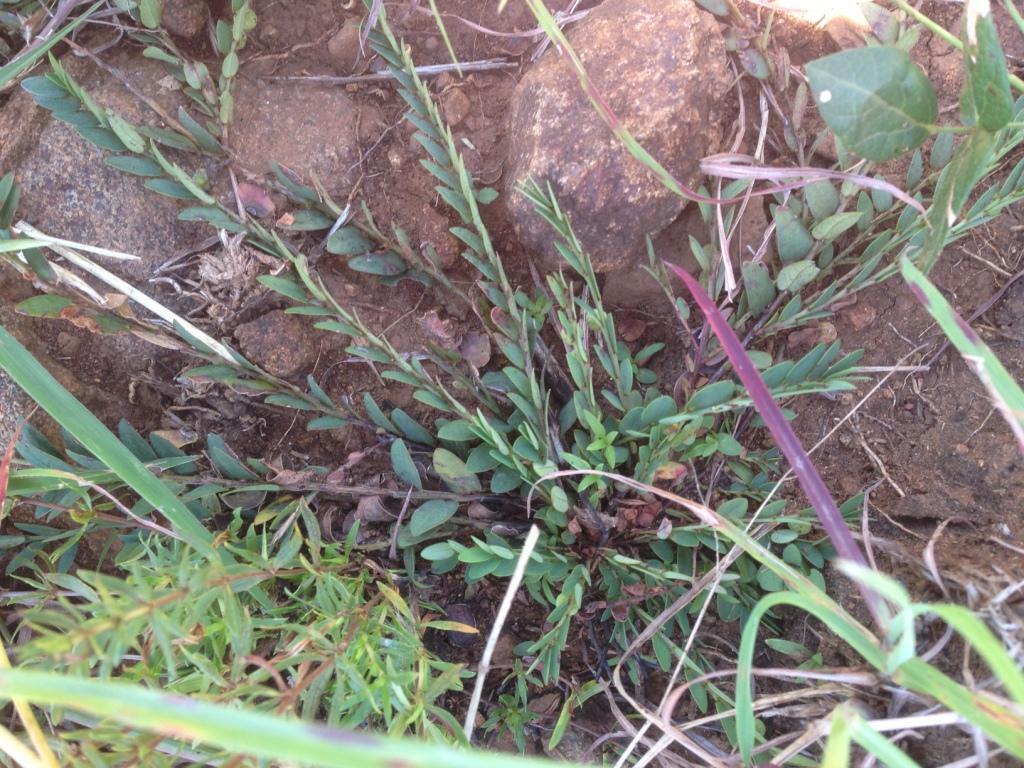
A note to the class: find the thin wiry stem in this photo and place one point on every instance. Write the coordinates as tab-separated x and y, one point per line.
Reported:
499	622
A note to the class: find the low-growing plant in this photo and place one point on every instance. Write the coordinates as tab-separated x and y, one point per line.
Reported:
510	428
576	429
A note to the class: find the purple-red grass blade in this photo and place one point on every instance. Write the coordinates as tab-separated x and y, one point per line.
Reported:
806	473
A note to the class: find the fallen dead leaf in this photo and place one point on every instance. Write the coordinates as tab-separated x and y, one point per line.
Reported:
443	332
371	509
476	349
256	200
631	328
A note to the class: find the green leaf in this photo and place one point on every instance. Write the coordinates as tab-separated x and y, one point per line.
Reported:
454	472
224	459
388	264
229	67
159	54
235	729
793	277
135	442
44	306
284	286
430	515
404	466
822	198
150	12
43	87
717	7
126	132
958	179
486	195
137	166
942	150
458	431
168	138
10	194
411	428
442	550
213	216
169	188
348	241
832	227
559	499
658	409
718	393
326	422
986	98
376	415
505	480
309	220
875	99
199	134
760	290
792	240
101	137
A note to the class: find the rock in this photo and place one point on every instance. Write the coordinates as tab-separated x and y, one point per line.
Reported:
666	81
861	315
456	105
13	407
184	18
371	509
279	343
310	130
345	50
70	192
633	287
817	333
630	328
463	614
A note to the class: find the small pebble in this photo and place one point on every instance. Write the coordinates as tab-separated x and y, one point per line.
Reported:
344	45
456	107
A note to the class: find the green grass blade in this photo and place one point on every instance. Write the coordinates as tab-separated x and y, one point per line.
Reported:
87	429
974	631
1006	394
1002	723
444	36
837	748
818	604
12	69
874	742
240	731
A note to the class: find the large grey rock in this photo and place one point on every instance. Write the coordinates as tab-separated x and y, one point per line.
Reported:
70	192
661	67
